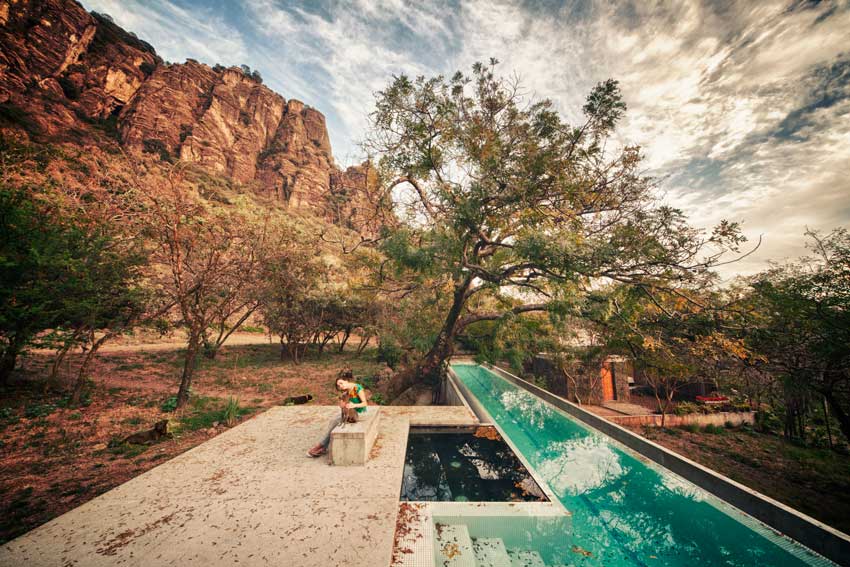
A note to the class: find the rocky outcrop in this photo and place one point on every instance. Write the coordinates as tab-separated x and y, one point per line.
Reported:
62	65
297	165
68	72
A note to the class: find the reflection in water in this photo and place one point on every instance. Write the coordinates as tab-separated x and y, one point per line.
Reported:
625	511
534	413
456	466
578	465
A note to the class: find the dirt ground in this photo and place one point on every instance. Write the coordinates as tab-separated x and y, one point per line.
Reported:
812	480
54	457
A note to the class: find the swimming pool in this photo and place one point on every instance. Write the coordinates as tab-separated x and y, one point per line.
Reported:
625	511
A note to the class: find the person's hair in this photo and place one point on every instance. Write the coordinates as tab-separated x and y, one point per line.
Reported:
344	374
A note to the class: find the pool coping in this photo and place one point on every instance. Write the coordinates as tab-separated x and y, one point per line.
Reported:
817	536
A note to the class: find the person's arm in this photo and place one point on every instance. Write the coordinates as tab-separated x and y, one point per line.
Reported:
363	403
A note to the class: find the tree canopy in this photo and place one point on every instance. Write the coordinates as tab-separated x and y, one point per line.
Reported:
507	209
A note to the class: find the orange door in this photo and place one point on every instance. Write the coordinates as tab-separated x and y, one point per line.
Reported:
607	382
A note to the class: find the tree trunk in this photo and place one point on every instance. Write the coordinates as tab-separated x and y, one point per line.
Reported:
364	342
8	360
345	334
188	367
81	375
826	421
57	362
839	413
429	368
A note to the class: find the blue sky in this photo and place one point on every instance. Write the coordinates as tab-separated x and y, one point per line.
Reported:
743	109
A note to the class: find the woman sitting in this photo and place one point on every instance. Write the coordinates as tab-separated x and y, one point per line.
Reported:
356	400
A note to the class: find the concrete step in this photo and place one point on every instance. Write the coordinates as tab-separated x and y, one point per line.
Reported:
491	552
454	546
525	558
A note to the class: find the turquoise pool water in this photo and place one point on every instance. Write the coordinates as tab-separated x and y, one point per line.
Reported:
625	511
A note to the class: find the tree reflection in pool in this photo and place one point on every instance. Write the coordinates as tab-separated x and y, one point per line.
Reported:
475	465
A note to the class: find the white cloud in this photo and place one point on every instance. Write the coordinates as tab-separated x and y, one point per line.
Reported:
710	88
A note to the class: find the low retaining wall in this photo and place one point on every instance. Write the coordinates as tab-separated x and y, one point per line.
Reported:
812	533
720	419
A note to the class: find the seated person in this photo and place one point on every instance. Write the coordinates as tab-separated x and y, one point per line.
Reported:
356	399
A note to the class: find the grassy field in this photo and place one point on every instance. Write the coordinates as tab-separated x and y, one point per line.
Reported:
55	457
812	480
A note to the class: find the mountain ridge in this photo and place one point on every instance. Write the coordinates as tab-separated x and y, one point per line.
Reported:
67	72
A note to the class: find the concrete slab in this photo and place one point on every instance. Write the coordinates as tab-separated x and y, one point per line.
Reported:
249	496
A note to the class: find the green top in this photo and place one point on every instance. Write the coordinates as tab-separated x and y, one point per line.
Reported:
354	397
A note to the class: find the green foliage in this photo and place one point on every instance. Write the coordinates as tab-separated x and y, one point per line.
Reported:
712	429
690	427
170	404
231	411
39	410
505	209
390	353
687	408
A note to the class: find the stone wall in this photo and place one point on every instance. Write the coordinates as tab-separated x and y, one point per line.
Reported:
719	419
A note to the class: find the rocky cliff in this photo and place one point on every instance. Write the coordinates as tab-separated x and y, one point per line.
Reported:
67	73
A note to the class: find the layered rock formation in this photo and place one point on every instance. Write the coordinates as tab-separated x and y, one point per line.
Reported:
63	70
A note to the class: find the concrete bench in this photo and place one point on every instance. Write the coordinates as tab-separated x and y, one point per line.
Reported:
352	442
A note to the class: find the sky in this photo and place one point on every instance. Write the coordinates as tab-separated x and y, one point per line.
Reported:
742	109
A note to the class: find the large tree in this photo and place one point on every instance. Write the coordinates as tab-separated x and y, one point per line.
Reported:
800	321
206	261
500	199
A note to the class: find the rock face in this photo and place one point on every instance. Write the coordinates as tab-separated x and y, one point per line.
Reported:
66	72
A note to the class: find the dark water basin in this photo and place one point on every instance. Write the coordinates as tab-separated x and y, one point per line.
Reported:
465	465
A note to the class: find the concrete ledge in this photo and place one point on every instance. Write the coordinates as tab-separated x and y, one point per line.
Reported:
720	419
352	442
816	535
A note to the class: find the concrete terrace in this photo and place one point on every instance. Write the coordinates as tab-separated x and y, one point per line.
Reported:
247	497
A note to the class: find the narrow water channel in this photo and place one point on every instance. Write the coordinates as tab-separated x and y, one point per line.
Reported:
625	511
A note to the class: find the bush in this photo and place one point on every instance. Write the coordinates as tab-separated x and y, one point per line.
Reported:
390	353
690	427
39	410
152	146
147	68
713	429
686	408
231	411
169	405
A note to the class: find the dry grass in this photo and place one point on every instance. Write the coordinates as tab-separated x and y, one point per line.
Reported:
55	457
813	480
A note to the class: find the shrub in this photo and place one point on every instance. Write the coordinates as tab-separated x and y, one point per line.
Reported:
147	68
390	353
685	408
231	411
690	427
713	429
39	410
169	405
152	146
